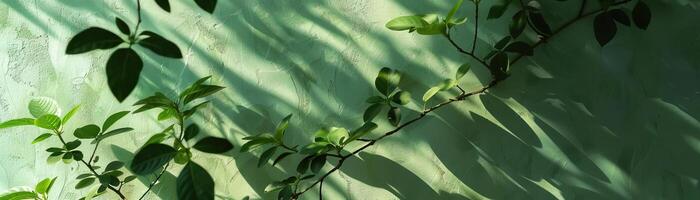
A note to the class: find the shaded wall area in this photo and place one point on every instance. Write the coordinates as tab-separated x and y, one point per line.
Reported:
575	121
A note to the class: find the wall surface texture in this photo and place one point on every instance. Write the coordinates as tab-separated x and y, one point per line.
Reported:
575	121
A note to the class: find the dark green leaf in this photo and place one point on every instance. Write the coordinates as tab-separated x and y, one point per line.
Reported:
77	155
159	45
123	27
604	28
123	70
158	100
202	91
84	183
265	156
151	158
375	99
499	62
520	47
620	16
42	137
91	39
503	42
72	145
499	7
129	178
206	5
111	133
195	183
317	163
539	23
51	122
280	157
517	26
191	111
113	119
213	145
387	80
286	193
282	127
114	165
54	149
164	4
304	164
87	132
17	122
191	131
394	116
257	141
108	180
362	131
641	14
372	111
113	173
82	176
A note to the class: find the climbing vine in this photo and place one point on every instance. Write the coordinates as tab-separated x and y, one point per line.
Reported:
175	143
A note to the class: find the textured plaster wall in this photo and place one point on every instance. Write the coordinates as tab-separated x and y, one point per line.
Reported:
575	121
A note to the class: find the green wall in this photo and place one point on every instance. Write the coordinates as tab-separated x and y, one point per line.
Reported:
575	121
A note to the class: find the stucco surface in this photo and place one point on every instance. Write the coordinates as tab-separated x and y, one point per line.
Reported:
575	121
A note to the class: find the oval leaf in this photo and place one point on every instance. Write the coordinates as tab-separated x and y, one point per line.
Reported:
206	5
265	156
123	27
394	116
164	4
317	163
151	158
372	112
406	23
430	93
604	28
641	14
51	122
123	70
91	39
195	183
113	119
87	132
159	45
41	106
213	145
42	137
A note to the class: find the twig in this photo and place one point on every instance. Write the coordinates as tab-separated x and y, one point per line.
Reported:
150	186
476	26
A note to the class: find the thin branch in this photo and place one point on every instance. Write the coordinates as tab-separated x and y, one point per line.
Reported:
150	186
320	191
138	22
476	26
461	50
583	7
438	106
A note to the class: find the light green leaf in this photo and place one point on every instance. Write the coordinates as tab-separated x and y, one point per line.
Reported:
70	114
282	127
17	122
44	186
454	10
406	23
42	137
183	156
435	26
167	113
18	195
337	136
447	84
430	93
113	119
362	131
387	80
41	106
49	121
401	97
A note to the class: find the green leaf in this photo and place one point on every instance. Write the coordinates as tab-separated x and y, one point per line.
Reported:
108	180
42	137
360	132
517	26
372	111
123	70
44	186
538	21
286	193
317	163
82	176
158	100
201	92
51	122
183	156
164	4
114	165
304	164
72	145
454	10
77	155
151	158
394	116
129	178
193	86
41	106
499	62
401	97
498	8
84	183
520	47
337	136
70	114
435	26
18	195
620	16
213	145
191	131
604	28
206	5
111	133
113	119
195	183
503	42
167	113
447	84
315	148
113	173
91	39
406	23
266	155
463	69
159	45
641	14
387	80
87	132
430	93
17	122
274	186
191	111
257	141
281	157
282	127
123	27
375	99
